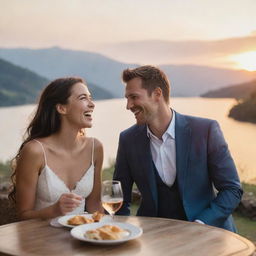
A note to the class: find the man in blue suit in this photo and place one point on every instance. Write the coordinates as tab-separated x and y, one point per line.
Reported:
180	164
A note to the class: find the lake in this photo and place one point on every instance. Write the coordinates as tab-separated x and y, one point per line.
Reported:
110	117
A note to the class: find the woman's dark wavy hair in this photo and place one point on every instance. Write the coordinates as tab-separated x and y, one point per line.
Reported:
46	120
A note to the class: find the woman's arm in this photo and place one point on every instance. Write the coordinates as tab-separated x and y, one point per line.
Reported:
29	165
93	201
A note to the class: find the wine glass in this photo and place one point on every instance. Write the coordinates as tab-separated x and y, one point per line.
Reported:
111	196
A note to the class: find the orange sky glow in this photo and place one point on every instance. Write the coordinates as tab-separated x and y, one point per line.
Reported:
215	33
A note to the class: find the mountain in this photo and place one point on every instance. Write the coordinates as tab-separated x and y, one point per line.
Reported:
20	86
99	93
238	91
186	80
245	109
56	62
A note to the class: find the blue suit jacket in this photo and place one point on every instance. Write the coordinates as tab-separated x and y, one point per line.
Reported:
207	177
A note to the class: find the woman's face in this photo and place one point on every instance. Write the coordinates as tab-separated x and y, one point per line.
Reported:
79	107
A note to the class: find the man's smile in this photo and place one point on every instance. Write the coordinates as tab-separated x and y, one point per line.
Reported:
136	112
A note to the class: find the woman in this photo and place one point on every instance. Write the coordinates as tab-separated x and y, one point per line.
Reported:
58	168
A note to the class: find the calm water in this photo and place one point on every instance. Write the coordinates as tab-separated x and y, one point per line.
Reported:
111	117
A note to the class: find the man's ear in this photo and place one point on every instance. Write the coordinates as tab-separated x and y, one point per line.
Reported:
158	93
61	109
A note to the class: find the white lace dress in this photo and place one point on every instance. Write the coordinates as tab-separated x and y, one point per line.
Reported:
50	187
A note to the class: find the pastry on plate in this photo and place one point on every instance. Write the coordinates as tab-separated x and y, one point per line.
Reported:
106	232
79	220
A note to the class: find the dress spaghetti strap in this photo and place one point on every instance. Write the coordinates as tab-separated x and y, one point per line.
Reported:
41	144
92	151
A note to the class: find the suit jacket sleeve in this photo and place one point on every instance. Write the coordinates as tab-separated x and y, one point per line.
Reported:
122	173
225	179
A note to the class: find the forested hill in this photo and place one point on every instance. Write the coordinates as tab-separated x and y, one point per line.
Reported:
245	93
245	110
20	86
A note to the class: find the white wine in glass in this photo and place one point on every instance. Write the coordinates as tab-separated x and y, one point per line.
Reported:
111	196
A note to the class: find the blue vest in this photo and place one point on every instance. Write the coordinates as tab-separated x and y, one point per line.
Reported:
169	201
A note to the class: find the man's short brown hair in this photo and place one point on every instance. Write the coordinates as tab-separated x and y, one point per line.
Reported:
152	78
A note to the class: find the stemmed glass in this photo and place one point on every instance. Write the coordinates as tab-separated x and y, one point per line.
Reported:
111	196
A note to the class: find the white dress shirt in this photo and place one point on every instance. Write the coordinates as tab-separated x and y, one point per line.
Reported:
164	153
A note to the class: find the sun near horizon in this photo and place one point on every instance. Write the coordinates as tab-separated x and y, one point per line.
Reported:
245	60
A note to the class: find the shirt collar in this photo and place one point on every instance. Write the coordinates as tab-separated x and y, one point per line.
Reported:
170	130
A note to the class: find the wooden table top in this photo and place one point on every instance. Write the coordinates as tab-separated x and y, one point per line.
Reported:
160	237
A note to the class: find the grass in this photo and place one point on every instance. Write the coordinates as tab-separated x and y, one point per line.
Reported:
5	171
246	227
107	173
249	188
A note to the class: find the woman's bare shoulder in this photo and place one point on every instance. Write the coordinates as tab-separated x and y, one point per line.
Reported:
97	144
31	158
89	141
98	151
32	149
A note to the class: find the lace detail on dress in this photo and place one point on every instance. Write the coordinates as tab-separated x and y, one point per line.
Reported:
50	186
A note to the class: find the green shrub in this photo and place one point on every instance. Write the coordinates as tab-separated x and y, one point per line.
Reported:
5	171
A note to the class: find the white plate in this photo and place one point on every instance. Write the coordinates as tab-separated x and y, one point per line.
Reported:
133	232
64	219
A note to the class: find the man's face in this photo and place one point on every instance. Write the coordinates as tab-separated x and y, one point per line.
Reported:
139	102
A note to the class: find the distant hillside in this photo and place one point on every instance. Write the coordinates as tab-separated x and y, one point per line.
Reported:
56	62
186	80
192	80
20	86
245	110
99	93
238	91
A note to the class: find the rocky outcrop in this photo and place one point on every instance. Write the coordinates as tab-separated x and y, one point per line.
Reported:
136	196
247	206
7	210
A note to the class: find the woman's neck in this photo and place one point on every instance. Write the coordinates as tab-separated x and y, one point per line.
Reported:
68	139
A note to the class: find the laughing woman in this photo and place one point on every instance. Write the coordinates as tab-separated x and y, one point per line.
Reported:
57	170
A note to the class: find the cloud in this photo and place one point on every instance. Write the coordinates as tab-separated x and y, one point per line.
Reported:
164	52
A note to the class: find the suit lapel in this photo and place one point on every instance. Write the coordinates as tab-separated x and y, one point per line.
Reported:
146	163
183	142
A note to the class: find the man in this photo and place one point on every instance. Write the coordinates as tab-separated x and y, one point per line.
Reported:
180	164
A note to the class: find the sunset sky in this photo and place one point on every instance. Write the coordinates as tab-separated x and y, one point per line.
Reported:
101	25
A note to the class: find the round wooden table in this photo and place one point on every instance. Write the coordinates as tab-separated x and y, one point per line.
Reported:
160	237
